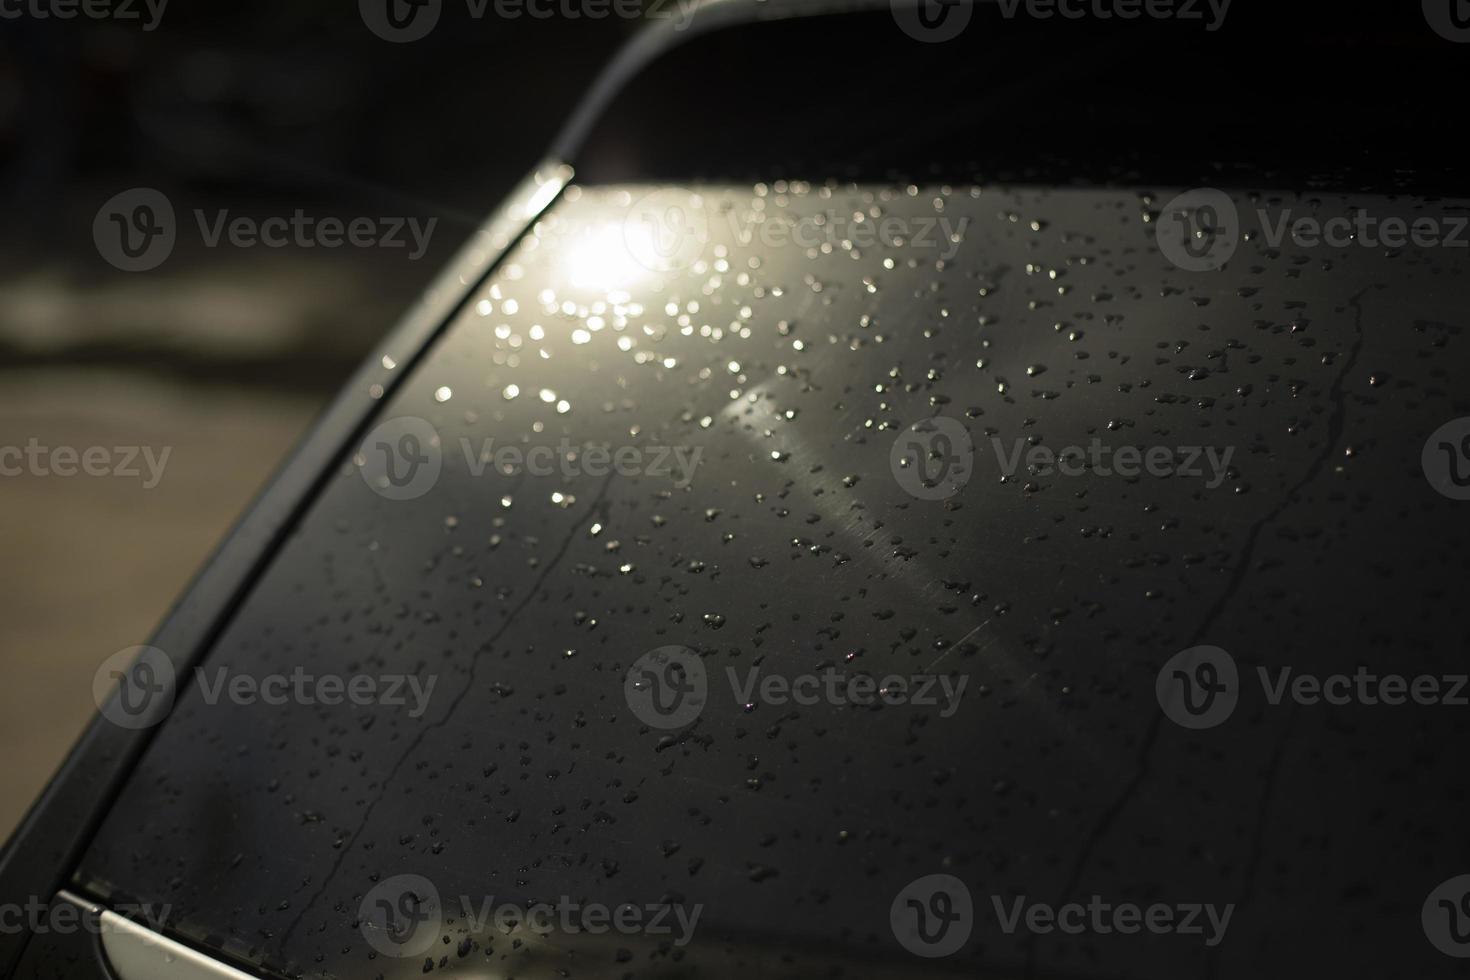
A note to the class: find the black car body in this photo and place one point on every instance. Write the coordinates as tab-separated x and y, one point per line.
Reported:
951	519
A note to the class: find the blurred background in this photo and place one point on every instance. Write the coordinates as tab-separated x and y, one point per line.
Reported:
221	355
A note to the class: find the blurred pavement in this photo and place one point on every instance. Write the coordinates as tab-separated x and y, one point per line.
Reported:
222	354
94	562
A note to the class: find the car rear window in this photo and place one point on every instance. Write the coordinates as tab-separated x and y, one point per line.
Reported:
769	549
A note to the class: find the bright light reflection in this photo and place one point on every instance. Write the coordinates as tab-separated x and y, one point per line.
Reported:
602	259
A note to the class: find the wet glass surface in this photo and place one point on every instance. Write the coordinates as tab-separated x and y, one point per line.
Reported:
749	487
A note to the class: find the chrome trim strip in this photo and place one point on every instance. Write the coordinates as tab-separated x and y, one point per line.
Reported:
136	953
